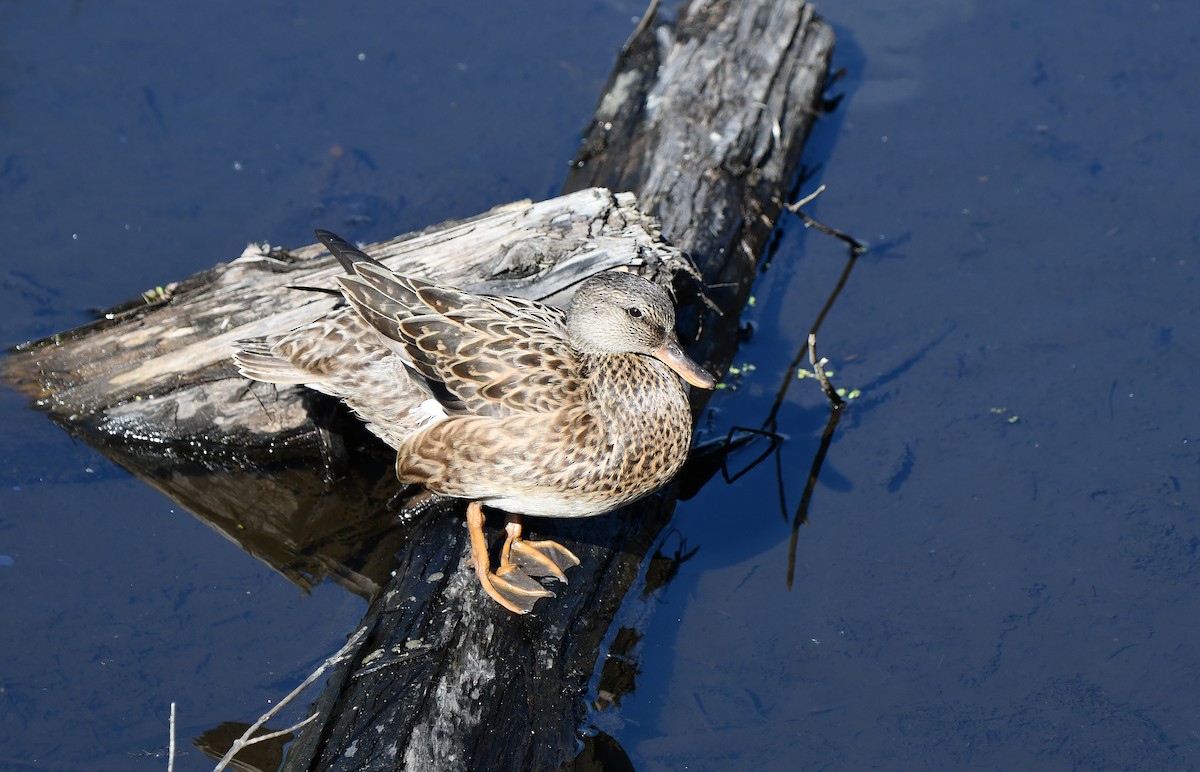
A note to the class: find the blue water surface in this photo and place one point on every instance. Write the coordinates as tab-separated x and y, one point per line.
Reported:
1000	564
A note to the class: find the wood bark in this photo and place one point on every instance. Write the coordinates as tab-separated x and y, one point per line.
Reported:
704	120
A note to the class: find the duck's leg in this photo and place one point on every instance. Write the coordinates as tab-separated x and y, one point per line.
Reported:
509	586
535	558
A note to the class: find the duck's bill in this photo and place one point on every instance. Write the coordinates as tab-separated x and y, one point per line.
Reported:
673	357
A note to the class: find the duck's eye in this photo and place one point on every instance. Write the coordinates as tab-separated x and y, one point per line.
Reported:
634	312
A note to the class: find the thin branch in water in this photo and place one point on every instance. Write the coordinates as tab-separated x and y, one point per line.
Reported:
855	245
246	742
247	737
171	743
819	369
809	349
836	402
856	249
795	207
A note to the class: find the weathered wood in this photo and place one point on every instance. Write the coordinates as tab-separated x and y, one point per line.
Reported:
707	125
705	122
158	372
152	386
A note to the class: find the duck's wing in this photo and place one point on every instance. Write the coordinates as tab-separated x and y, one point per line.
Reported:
479	354
341	355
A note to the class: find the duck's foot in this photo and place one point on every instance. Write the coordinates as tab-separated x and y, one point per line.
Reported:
510	585
535	558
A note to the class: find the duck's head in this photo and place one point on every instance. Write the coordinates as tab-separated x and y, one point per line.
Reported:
619	313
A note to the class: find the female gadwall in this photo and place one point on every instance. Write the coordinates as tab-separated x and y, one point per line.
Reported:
522	407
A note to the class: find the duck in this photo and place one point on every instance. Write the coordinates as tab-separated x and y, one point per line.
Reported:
504	402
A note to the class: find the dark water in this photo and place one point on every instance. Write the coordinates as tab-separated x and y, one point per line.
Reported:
1000	568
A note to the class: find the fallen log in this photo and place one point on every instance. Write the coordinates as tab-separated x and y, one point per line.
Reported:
705	121
152	385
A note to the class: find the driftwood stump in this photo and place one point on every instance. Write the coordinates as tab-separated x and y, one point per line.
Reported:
704	121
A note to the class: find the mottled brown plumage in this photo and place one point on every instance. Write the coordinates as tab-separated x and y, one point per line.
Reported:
520	406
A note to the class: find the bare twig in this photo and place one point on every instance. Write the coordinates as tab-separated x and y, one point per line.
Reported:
856	246
819	369
646	21
856	249
247	737
806	200
171	743
278	733
836	402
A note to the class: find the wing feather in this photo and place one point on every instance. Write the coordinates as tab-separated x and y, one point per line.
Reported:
492	356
